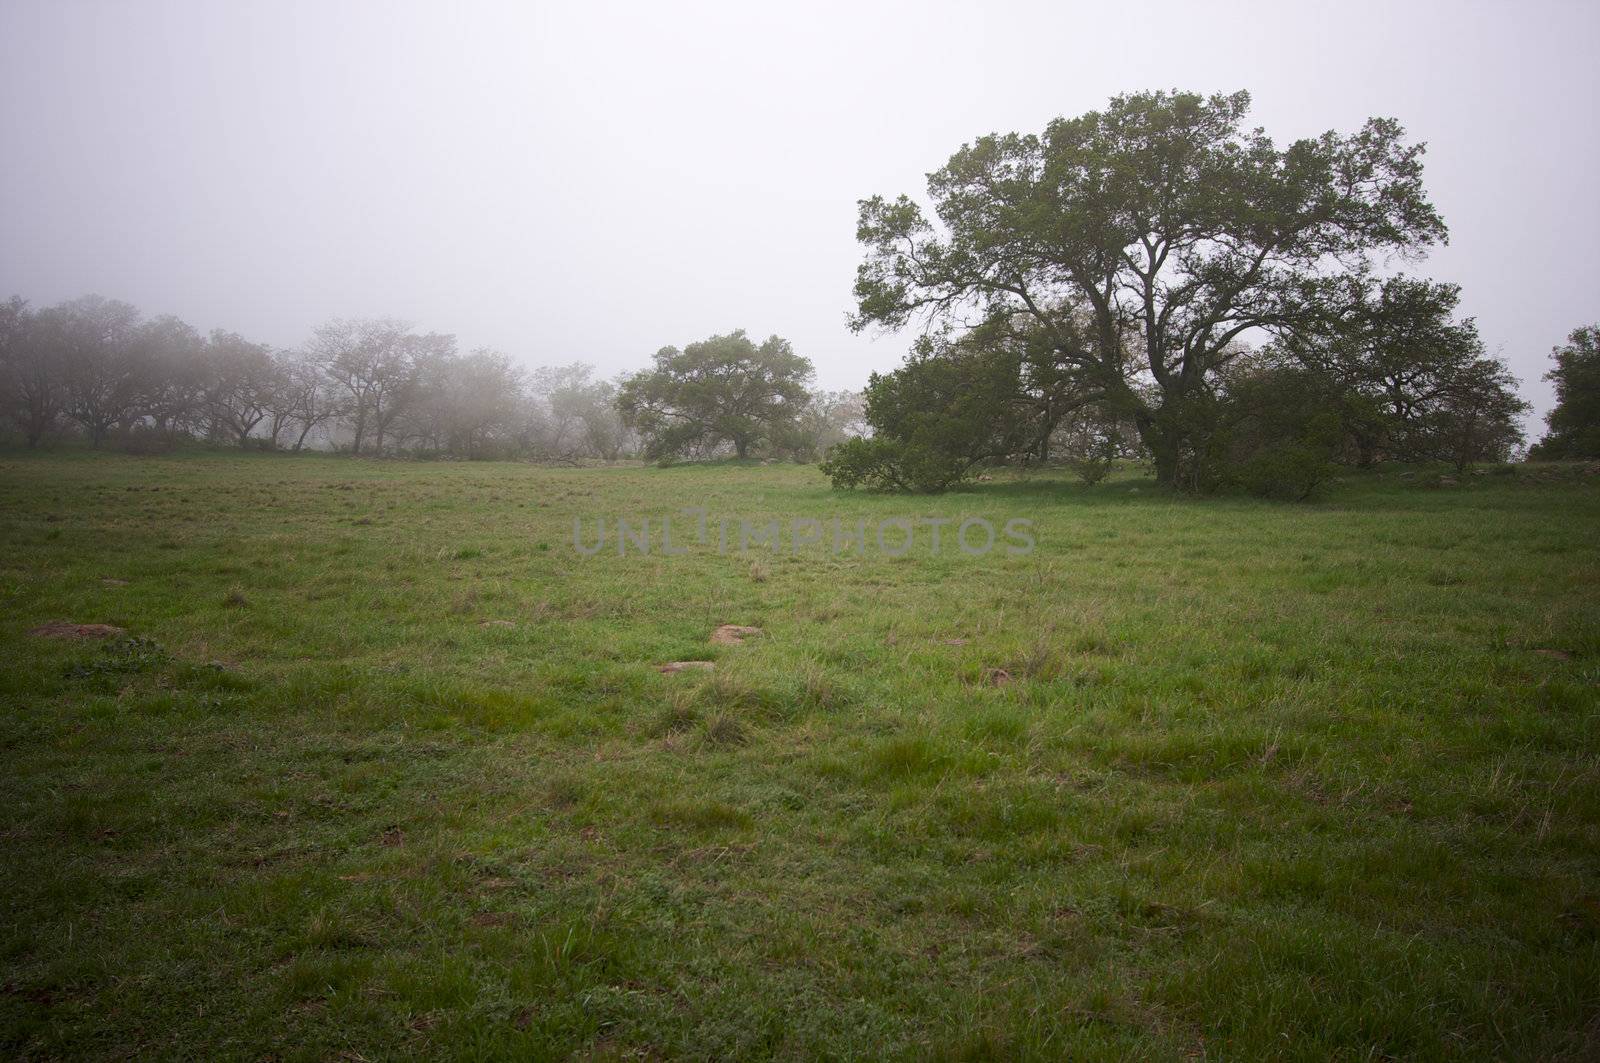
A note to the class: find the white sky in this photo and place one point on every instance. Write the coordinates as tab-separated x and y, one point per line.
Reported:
589	181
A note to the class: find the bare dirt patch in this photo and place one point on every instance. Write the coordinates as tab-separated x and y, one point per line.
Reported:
62	629
496	623
492	919
733	634
996	677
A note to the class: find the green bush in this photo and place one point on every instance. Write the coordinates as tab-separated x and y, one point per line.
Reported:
889	465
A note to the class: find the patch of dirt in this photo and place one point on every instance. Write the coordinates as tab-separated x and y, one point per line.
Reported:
733	634
996	677
62	629
1558	655
673	667
109	582
492	919
394	836
496	623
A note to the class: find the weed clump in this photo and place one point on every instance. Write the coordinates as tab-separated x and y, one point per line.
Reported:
123	656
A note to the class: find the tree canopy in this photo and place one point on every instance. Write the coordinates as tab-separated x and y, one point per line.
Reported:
1574	422
724	390
1144	242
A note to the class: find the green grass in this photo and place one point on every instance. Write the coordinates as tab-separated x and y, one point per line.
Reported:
1268	781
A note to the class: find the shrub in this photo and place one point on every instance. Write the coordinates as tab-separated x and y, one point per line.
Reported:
888	465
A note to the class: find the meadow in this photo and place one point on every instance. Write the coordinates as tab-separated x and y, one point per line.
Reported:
384	768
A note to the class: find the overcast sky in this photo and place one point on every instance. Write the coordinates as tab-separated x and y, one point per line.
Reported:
588	181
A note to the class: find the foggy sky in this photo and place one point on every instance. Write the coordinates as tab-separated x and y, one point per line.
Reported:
586	181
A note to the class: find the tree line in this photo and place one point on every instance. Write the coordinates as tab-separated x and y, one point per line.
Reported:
95	369
1153	281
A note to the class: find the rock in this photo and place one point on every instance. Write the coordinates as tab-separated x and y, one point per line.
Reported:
673	667
109	582
62	629
1447	481
733	634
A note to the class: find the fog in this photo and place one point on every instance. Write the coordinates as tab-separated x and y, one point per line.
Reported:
592	182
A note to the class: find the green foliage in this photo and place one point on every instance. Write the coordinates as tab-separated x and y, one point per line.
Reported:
1574	422
1277	430
723	391
1143	240
1419	377
890	465
934	419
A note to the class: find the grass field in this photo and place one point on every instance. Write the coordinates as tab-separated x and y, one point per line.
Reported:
1315	781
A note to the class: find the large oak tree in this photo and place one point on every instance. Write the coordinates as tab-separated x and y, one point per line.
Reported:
1160	227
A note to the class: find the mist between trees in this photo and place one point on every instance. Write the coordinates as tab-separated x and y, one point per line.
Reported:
94	370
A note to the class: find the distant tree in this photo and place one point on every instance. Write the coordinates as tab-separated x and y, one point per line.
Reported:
465	405
304	400
243	380
31	387
1574	423
830	418
585	411
554	429
722	390
174	375
374	363
92	340
1160	226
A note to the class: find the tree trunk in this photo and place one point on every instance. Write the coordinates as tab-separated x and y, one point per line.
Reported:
1164	447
